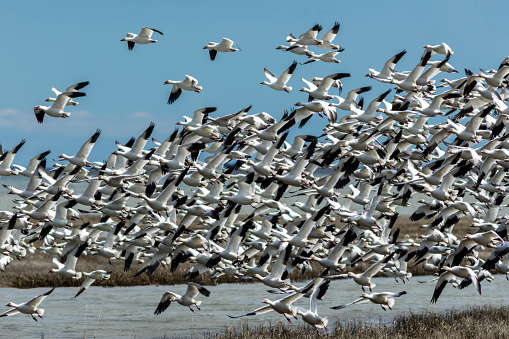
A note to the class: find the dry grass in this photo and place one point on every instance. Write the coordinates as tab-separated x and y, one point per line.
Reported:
474	322
33	270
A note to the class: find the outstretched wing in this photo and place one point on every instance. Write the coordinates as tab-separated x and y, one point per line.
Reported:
165	301
260	310
34	302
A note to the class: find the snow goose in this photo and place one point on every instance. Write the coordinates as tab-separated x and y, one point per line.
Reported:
497	79
57	109
70	89
311	315
295	49
409	83
91	277
224	46
388	69
328	37
364	279
279	84
283	306
193	289
274	279
136	151
308	37
304	113
30	307
68	269
232	249
384	299
145	37
440	49
320	92
80	159
348	103
451	272
188	84
325	57
160	203
32	164
7	158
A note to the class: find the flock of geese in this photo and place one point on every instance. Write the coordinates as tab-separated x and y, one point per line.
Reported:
213	192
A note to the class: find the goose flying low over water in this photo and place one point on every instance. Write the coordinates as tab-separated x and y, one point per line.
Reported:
91	277
145	37
193	289
384	299
30	307
188	84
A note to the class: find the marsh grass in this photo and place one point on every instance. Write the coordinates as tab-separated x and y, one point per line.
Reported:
473	322
33	271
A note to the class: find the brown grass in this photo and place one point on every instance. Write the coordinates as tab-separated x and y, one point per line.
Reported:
32	271
473	322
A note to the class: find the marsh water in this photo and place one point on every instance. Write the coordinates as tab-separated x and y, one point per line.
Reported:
128	312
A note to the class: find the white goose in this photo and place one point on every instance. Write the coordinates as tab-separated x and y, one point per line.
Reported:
328	37
57	109
145	37
279	84
320	92
80	159
283	306
70	89
91	277
185	300
188	84
30	307
7	158
311	316
224	46
308	37
384	299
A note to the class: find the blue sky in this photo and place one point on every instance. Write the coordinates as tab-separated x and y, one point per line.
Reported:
58	43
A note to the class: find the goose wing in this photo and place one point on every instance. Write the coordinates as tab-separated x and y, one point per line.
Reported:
361	300
260	310
10	312
193	289
331	34
165	301
34	302
286	75
272	78
86	148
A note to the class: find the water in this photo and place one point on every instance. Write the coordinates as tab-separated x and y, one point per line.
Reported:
128	312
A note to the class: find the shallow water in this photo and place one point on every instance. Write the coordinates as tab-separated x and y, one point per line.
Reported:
128	312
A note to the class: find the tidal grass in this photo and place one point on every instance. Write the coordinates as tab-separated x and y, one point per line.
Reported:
473	322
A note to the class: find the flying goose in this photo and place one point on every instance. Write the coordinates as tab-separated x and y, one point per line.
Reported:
384	299
145	37
185	300
224	46
188	84
279	84
57	109
320	92
30	307
70	89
